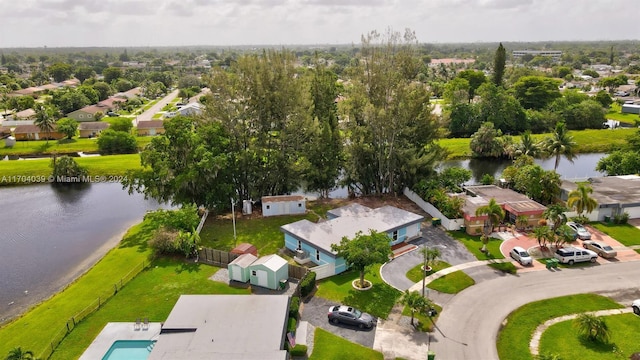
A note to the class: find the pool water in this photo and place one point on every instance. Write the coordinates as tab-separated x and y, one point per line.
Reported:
129	350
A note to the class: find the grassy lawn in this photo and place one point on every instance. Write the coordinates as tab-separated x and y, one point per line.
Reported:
64	146
473	244
615	113
624	233
562	339
263	233
151	294
331	347
514	338
36	328
96	165
451	284
592	140
377	301
423	322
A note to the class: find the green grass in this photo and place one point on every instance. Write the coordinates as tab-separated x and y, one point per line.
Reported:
331	347
473	244
615	113
423	322
588	141
96	165
624	233
377	301
451	284
64	146
514	338
263	233
157	116
37	327
562	339
152	294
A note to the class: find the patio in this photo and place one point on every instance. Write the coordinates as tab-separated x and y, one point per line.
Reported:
114	331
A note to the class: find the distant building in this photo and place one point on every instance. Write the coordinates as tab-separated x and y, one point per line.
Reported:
556	54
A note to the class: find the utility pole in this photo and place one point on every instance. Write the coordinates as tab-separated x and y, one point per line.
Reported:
233	216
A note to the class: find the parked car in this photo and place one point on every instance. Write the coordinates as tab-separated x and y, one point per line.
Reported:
351	316
521	255
573	255
621	93
112	114
581	231
636	307
601	249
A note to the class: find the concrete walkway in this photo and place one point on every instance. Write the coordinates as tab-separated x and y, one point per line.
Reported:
535	340
418	286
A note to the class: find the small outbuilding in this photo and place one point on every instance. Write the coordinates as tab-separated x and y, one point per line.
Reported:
245	248
269	272
239	268
283	205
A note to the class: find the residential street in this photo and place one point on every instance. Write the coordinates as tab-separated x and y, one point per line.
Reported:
468	325
148	115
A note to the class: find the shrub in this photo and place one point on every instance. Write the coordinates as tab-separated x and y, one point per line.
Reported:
487	179
298	350
121	124
621	218
117	142
294	307
163	240
307	283
580	219
292	323
185	218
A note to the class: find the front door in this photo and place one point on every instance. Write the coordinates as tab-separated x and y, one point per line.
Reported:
262	278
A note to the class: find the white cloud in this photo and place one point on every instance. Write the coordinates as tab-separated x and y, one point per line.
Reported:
229	22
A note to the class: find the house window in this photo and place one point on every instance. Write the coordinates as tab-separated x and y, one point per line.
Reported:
317	255
253	273
299	245
268	207
395	235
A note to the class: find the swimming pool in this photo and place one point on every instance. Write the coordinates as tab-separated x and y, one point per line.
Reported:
129	350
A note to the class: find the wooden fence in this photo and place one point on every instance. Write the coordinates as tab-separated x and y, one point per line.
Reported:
216	257
297	272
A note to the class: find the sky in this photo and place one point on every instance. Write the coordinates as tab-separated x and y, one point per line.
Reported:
114	23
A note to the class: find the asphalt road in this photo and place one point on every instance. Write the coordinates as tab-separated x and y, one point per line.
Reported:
157	107
468	325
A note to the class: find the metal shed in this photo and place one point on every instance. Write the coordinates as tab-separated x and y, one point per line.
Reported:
239	268
283	205
269	271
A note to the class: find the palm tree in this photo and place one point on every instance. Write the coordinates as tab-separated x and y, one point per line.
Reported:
429	255
580	200
45	120
527	146
541	235
495	214
593	327
556	214
415	302
522	221
560	143
18	354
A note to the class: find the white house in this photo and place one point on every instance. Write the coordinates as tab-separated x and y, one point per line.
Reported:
189	109
312	241
283	205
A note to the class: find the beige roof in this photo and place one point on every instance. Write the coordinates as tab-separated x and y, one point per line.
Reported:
150	124
280	198
25	114
244	260
612	190
93	125
272	262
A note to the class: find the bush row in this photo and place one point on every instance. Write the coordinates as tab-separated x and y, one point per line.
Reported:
307	283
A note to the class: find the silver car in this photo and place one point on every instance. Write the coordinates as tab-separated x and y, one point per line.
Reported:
581	231
521	255
601	249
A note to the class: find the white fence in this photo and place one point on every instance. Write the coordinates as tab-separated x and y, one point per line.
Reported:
324	271
449	224
202	220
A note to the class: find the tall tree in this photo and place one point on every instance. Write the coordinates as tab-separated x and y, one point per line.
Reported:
495	214
388	118
559	144
526	146
45	119
536	92
363	251
487	142
189	164
264	107
415	302
323	152
581	201
59	71
556	214
499	61
67	126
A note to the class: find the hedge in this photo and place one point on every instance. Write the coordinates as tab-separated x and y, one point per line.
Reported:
307	284
294	307
298	350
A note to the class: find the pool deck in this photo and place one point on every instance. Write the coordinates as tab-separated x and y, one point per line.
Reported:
119	331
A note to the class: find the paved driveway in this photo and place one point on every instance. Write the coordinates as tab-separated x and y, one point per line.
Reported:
452	251
315	312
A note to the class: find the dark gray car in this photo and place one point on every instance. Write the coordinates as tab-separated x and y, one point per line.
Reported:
350	316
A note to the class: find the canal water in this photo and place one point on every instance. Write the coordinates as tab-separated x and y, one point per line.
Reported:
49	235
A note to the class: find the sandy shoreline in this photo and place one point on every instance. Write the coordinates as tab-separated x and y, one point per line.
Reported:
37	296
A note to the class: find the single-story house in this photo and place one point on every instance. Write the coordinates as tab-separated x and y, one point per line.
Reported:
92	129
615	195
32	132
239	267
189	109
230	327
71	82
28	114
269	271
312	241
513	203
88	113
283	205
150	128
129	93
112	102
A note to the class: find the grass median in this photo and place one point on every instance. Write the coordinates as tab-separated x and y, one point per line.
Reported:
64	146
451	283
23	172
626	234
474	245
